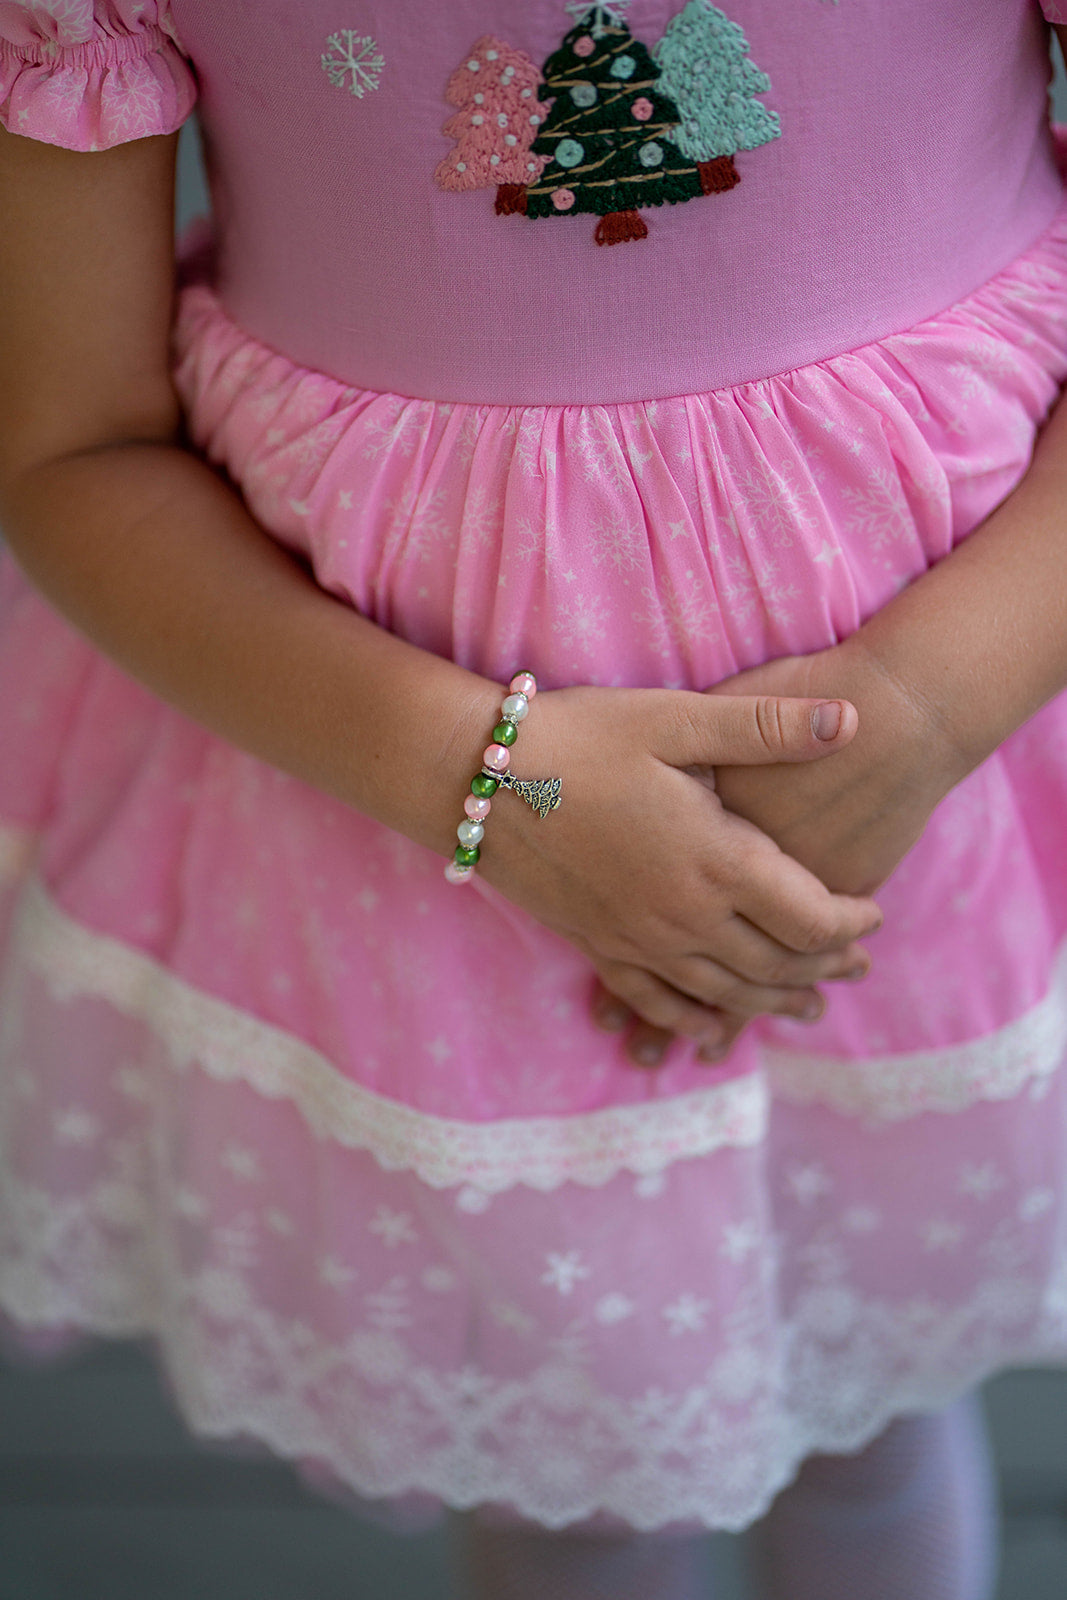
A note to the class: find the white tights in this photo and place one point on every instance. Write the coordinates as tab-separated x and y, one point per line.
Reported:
912	1517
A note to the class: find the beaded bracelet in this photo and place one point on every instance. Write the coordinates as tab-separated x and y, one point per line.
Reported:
543	794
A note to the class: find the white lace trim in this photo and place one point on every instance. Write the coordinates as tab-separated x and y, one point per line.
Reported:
232	1045
541	1152
890	1088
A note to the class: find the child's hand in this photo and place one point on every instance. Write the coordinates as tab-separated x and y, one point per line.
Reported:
851	820
684	910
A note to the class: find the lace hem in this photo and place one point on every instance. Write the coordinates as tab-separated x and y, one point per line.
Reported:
234	1046
889	1088
231	1045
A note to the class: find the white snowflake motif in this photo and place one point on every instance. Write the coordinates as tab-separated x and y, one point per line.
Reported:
481	518
613	1308
74	19
334	1274
439	1280
244	1164
564	1270
1035	1204
598	451
808	1183
979	1182
278	1222
396	435
472	1200
133	1083
861	1219
880	512
777	502
650	1185
193	1207
393	1227
940	1234
75	1126
581	622
138	111
739	1239
615	543
353	61
687	1314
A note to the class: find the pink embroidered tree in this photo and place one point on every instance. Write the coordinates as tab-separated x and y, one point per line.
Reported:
495	88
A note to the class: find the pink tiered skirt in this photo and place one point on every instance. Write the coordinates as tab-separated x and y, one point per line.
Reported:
271	1091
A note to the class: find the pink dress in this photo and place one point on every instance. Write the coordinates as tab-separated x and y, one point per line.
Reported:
629	344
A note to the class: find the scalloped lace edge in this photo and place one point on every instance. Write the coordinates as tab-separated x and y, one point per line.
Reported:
589	1148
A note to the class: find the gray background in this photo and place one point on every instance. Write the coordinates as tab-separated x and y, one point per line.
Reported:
103	1495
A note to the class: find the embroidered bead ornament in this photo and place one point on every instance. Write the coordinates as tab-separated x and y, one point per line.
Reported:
543	794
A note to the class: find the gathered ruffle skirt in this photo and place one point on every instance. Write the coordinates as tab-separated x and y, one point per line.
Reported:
345	1140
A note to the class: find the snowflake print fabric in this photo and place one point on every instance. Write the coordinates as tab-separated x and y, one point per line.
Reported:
90	74
622	129
353	61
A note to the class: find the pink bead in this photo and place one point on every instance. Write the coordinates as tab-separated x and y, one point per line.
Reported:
563	199
584	46
497	757
477	807
457	874
524	683
642	109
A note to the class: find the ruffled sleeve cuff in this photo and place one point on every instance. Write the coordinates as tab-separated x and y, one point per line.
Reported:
89	76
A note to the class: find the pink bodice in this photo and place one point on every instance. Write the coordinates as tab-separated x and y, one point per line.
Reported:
903	160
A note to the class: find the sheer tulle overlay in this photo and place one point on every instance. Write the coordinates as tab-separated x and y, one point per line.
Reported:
272	1090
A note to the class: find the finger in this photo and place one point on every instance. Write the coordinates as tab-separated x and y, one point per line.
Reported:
711	983
746	730
608	1011
752	954
657	1003
790	904
648	1046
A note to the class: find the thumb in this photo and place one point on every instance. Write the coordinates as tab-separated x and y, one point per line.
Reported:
746	730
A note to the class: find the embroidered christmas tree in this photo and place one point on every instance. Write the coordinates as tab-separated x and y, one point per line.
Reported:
606	136
706	70
495	88
606	126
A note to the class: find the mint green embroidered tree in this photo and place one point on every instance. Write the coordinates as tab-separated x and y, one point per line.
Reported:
706	69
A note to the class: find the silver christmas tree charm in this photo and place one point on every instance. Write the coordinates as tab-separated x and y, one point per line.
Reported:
543	794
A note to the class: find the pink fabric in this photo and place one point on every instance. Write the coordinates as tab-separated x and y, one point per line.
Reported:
342	1136
89	76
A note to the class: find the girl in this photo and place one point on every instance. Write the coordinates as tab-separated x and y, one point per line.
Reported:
616	345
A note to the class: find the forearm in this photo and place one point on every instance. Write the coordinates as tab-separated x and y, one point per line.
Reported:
157	560
980	641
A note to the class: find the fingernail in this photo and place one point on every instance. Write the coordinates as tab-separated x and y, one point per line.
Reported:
649	1055
712	1053
855	973
613	1018
826	720
810	1010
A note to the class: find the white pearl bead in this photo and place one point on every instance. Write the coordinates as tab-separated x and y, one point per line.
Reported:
470	833
515	707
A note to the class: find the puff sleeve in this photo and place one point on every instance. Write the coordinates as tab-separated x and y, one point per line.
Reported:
1055	10
89	74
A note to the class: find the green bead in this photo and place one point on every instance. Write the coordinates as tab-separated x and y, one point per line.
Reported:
505	733
483	786
466	857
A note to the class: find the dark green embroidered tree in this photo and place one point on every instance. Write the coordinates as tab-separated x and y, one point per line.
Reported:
606	134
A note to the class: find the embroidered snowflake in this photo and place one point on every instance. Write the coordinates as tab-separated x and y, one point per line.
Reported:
739	1239
605	13
353	61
